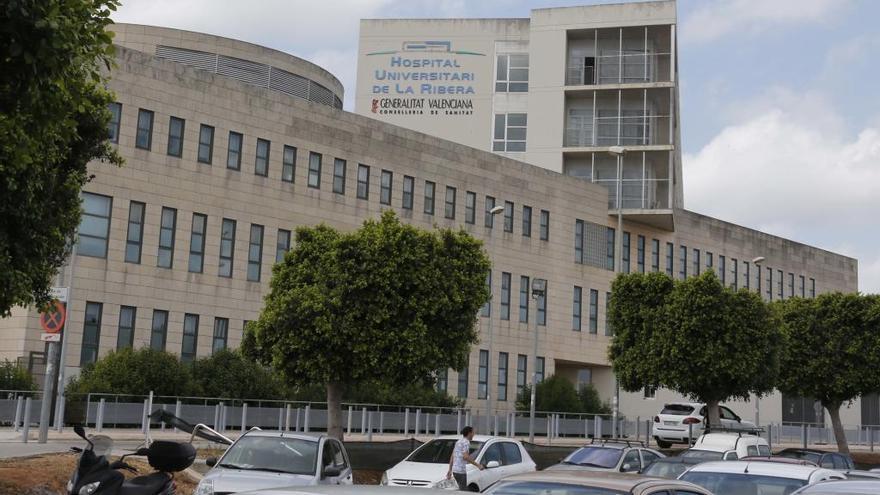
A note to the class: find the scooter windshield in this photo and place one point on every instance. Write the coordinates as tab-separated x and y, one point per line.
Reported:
103	445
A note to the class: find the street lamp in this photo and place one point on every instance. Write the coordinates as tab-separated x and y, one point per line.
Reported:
492	212
617	152
757	260
539	290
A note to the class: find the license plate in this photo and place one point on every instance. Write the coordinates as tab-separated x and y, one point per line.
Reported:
670	423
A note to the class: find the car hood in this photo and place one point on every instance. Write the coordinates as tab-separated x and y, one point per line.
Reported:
427	471
240	480
574	467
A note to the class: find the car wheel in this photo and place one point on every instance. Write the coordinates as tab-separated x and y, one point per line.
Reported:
474	488
662	444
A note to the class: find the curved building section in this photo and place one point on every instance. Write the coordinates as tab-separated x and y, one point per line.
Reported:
246	62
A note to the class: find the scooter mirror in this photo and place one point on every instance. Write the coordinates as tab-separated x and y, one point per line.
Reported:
143	451
80	432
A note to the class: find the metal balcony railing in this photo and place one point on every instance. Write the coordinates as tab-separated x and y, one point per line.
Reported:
619	69
639	130
644	194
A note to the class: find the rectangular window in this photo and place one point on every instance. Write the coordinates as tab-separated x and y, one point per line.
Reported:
512	73
363	182
539	369
314	170
508	216
594	311
522	370
780	284
609	249
502	376
197	243
490	218
385	181
609	330
288	164
812	288
159	330
339	166
442	381
545	225
470	207
770	283
167	229
541	303
624	256
734	275
282	245
221	335
758	277
227	247
407	197
526	221
94	226
696	261
803	286
576	307
255	253
463	382
135	237
483	375
486	310
669	249
578	241
682	262
91	333
261	162
747	275
144	136
505	296
449	207
655	255
115	121
206	144
429	197
510	132
523	299
176	128
125	334
709	261
233	151
640	254
790	284
190	338
722	269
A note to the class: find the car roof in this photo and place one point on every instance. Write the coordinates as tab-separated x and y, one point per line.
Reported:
695	404
477	438
681	460
843	487
778	459
340	490
726	441
778	470
283	434
811	451
600	479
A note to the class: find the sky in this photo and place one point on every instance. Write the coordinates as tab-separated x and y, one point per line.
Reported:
780	102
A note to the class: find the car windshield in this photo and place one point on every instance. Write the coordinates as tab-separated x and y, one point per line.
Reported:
800	454
273	454
677	409
669	470
743	484
594	456
439	451
547	488
709	455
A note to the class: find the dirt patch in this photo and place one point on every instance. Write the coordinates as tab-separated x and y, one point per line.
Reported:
367	477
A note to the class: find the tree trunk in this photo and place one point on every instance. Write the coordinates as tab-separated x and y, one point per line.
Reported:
837	426
713	414
334	410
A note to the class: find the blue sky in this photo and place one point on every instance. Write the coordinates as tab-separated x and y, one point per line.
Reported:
780	106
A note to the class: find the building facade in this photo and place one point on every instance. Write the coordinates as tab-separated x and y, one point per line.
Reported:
230	146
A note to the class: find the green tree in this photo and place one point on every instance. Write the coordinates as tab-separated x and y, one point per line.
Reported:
387	302
558	394
230	374
135	373
53	121
832	350
591	402
15	377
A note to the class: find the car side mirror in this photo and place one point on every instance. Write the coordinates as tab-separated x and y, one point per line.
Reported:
492	464
331	471
625	468
211	461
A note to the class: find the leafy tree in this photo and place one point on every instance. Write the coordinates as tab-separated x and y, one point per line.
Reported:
591	402
135	373
15	377
832	350
53	121
387	302
230	374
558	394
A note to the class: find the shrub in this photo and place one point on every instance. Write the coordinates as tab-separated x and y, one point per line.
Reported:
136	373
230	374
558	394
15	377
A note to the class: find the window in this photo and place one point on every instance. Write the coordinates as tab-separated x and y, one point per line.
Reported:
649	392
502	376
747	275
769	283
282	245
190	337
640	254
429	197
758	278
512	73
803	286
449	207
407	197
91	333
722	269
522	365
578	241
631	462
135	237
288	164
505	296
542	308
812	288
526	221
233	151
159	330
115	120
508	216
734	268
609	249
545	225
339	166
524	299
125	335
94	227
442	381
261	162
576	307
512	455
709	261
780	283
510	132
314	170
227	247
255	253
669	249
385	187
463	382
655	255
609	330
144	136
490	218
363	182
470	207
197	243
486	310
167	227
696	261
594	311
483	375
624	256
206	144
682	262
539	369
176	128
221	335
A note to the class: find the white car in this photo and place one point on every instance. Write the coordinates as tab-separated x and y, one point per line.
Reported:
727	447
756	478
427	466
678	420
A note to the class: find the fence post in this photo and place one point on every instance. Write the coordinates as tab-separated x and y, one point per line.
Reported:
381	422
647	432
364	421
144	416
19	408
296	423
149	410
418	417
597	426
216	416
26	425
349	421
638	427
244	417
177	408
770	436
306	419
406	422
458	421
99	420
437	424
370	426
287	412
804	433
513	424
280	419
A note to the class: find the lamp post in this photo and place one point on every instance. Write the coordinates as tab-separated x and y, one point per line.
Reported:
539	290
494	211
617	152
757	262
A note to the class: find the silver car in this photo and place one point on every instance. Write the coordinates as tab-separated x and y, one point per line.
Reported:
270	459
624	456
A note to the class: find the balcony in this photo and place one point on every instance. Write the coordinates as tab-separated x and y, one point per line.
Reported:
584	130
646	182
618	68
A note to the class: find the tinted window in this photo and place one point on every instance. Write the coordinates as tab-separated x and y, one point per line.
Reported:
764	450
839	462
594	456
648	457
512	455
288	455
752	450
799	454
677	409
827	461
542	487
631	462
703	454
669	470
728	414
439	451
493	453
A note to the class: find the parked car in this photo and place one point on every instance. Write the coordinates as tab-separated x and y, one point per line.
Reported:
670	467
858	474
847	487
830	460
727	447
596	483
755	478
777	458
337	490
677	420
624	456
269	459
426	467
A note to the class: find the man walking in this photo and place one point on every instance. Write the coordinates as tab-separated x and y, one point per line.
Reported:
461	457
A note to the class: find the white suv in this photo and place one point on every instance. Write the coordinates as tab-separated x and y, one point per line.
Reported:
727	447
679	419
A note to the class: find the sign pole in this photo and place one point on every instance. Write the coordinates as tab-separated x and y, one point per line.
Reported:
52	320
48	392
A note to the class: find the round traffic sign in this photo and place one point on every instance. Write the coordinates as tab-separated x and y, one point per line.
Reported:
52	320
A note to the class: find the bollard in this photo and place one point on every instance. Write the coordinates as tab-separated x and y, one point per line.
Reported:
871	435
244	417
177	408
99	420
348	421
647	432
26	424
467	417
221	421
437	424
406	422
549	429
381	422
690	434
458	421
19	408
597	427
804	433
513	424
288	410
306	418
296	420
418	417
144	415
148	408
216	416
495	421
638	427
364	421
770	436
370	426
280	419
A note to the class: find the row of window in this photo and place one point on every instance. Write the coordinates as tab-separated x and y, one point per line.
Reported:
91	339
483	376
524	294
